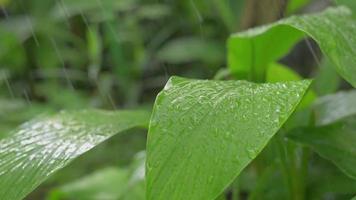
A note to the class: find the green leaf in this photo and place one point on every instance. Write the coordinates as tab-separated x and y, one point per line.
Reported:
203	133
335	107
43	146
321	174
348	3
108	183
335	142
65	9
251	51
278	73
191	49
295	5
327	80
111	183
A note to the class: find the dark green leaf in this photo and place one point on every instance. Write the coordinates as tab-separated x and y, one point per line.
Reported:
326	179
43	146
335	142
251	51
203	133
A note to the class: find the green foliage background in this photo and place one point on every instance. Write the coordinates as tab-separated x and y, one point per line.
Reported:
108	54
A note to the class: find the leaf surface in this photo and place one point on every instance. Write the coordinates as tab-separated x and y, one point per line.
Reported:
44	145
335	107
277	73
203	133
335	142
334	30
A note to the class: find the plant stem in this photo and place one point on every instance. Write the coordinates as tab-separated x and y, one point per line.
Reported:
285	163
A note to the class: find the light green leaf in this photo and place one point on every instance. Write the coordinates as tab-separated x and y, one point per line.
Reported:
203	133
335	107
191	49
251	51
349	3
295	5
335	142
65	9
43	146
110	183
277	73
327	80
154	11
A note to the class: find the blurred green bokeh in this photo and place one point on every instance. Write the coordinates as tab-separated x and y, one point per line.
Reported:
118	54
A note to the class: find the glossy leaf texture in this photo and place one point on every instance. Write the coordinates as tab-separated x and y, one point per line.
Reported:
277	73
42	146
251	51
335	142
203	133
335	107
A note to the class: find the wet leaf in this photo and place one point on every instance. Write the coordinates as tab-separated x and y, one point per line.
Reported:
251	51
203	133
335	107
43	146
277	72
335	142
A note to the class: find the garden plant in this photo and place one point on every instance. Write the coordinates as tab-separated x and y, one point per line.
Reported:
257	130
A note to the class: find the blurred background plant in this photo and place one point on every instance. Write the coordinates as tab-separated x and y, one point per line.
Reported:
75	54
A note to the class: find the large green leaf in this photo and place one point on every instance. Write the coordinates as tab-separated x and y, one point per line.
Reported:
203	133
43	146
335	142
251	51
335	107
277	73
